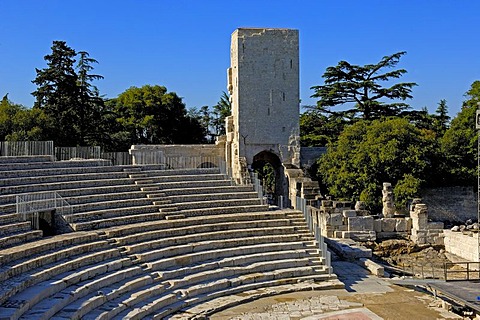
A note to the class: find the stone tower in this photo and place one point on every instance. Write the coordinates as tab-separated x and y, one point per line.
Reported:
263	82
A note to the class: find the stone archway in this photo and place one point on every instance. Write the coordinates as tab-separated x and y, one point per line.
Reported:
261	162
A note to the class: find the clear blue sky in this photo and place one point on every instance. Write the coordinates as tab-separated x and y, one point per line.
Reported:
184	45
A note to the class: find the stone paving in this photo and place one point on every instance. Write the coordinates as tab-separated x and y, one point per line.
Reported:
364	297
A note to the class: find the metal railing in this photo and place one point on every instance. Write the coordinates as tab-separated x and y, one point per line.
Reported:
117	158
26	148
28	206
461	271
315	228
67	153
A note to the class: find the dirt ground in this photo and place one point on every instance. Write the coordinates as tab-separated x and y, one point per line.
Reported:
401	303
424	261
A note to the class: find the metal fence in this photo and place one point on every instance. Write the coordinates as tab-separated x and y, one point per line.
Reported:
461	271
67	153
28	206
26	148
315	228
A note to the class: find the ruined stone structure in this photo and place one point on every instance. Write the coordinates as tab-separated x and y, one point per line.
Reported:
263	82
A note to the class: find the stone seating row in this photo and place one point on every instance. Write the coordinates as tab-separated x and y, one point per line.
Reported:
50	170
127	280
27	159
194	269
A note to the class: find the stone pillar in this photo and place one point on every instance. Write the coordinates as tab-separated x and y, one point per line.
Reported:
419	216
387	199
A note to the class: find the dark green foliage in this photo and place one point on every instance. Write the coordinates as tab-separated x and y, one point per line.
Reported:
67	97
318	130
151	115
19	123
363	86
459	144
221	111
57	93
369	153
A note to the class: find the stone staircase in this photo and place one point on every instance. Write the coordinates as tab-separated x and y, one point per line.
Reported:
152	243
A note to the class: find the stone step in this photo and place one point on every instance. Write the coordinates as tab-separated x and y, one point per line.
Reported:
55	171
92	303
149	188
97	196
213	204
16	227
178	172
205	305
117	221
211	221
27	283
205	189
162	307
29	263
7	164
137	175
56	186
183	178
175	217
143	182
161	259
263	264
193	184
225	223
110	213
9	160
56	302
156	195
17	238
215	238
43	246
32	180
222	210
89	207
8	218
212	196
33	295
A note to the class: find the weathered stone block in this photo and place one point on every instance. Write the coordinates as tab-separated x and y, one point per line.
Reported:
400	225
336	219
377	225
360	224
363	212
360	235
388	224
409	223
349	213
435	225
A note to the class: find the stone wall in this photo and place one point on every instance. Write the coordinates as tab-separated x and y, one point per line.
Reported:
451	203
462	245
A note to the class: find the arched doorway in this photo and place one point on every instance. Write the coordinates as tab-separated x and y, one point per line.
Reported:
271	174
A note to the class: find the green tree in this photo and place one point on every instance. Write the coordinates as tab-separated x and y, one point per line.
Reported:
90	104
318	130
150	114
459	144
221	111
441	118
363	86
369	153
8	110
57	93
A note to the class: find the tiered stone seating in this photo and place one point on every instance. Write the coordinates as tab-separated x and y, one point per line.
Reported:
170	241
